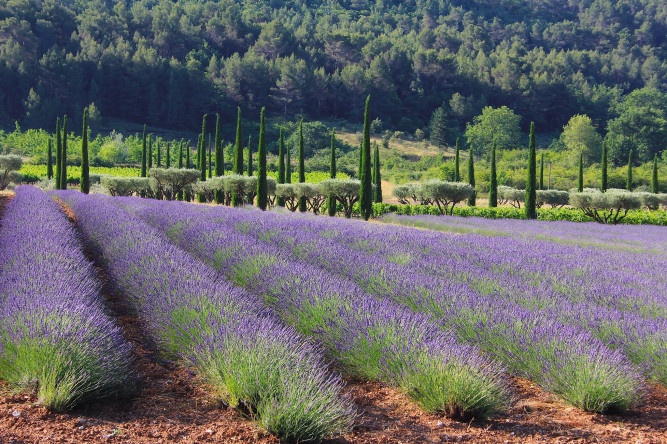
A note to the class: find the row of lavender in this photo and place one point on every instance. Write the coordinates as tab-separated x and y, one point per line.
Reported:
580	355
55	337
582	287
368	337
241	349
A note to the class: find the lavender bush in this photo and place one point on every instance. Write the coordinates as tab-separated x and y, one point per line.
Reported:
55	338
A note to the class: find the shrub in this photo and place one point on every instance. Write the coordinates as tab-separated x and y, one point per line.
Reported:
287	192
346	192
169	182
10	165
125	186
511	196
555	198
311	192
445	194
609	207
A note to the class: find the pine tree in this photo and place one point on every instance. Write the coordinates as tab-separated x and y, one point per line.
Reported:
219	158
281	165
144	152
63	162
85	169
530	207
493	189
202	151
654	176
302	167
59	154
457	161
331	200
250	168
238	155
49	160
366	189
377	176
603	181
628	184
472	200
580	184
288	166
541	171
262	191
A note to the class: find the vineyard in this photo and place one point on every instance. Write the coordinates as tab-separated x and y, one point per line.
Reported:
138	319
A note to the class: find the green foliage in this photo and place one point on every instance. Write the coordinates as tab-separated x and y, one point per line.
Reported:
531	182
49	162
144	154
493	186
444	194
346	192
85	167
438	127
238	156
604	172
63	162
628	184
219	156
471	178
59	154
377	176
495	126
457	161
169	182
365	191
125	186
608	207
580	181
580	138
302	167
262	196
10	165
331	199
654	175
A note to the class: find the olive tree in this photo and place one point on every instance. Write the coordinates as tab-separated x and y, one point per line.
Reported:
555	198
411	191
653	201
346	191
512	196
287	192
609	207
125	186
311	192
9	170
446	194
169	182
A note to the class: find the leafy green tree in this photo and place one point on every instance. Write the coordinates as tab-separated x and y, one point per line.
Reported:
580	137
531	182
302	168
366	186
628	182
472	200
438	127
499	126
331	200
493	188
85	169
262	192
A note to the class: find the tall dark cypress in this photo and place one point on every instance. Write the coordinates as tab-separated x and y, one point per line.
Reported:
654	176
250	168
628	183
262	191
472	200
603	179
361	157
302	167
331	200
238	155
580	184
63	162
188	153
85	169
167	156
288	166
219	159
493	188
281	165
366	188
49	160
377	175
198	164
59	154
179	196
150	151
158	147
457	161
144	154
210	158
531	182
202	157
541	172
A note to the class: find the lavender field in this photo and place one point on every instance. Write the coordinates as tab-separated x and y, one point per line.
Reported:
277	313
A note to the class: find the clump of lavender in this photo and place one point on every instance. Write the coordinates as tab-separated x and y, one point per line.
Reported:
253	363
55	339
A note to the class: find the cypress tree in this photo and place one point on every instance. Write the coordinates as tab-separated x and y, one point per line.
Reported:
376	174
288	167
472	200
281	165
85	170
262	191
167	156
143	154
361	151
250	156
238	154
49	156
541	171
158	146
59	154
150	151
530	207
179	196
188	152
302	167
654	176
366	189
202	157
198	164
63	162
331	200
628	184
219	159
457	160
603	181
210	158
580	185
493	189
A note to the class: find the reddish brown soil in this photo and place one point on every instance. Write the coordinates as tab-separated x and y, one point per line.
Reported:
172	405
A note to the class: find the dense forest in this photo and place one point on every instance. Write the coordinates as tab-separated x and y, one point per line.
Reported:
166	62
